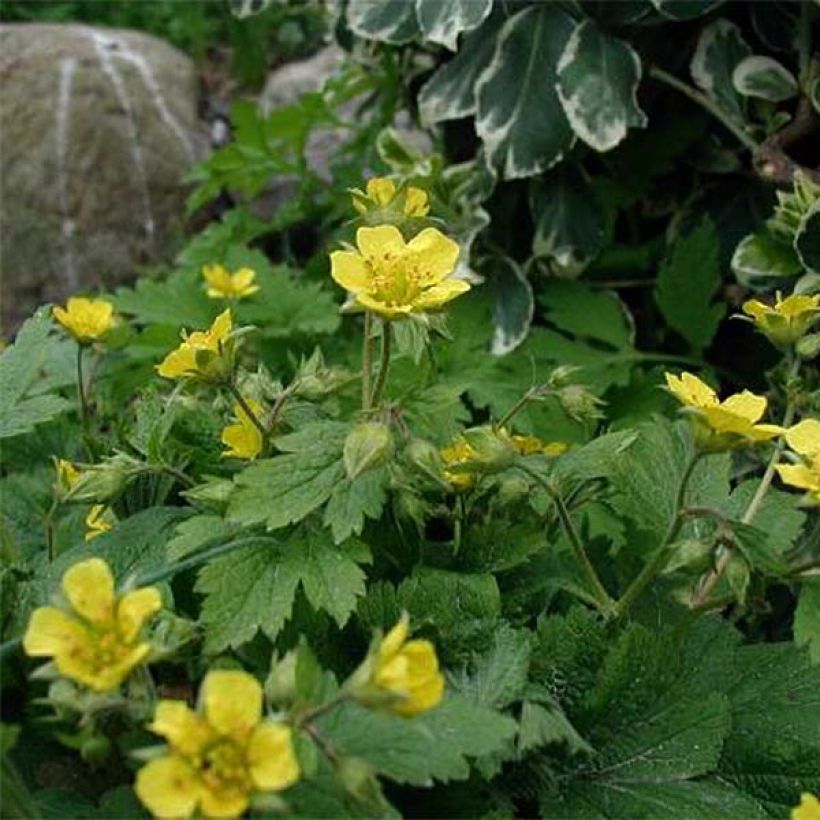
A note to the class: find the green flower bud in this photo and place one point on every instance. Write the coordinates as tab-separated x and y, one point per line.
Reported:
95	750
690	554
102	482
579	403
425	456
492	450
280	686
809	346
738	575
368	445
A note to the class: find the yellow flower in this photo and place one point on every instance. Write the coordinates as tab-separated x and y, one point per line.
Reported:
381	193
98	521
217	756
243	439
204	354
394	279
530	445
809	808
85	319
97	642
804	439
789	319
722	425
409	670
455	455
222	284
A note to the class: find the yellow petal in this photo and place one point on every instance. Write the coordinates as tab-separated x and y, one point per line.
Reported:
381	190
232	701
97	521
804	437
374	243
348	270
393	640
440	294
799	475
242	282
244	440
89	587
223	802
690	390
756	309
271	759
793	307
218	278
50	631
183	728
168	787
809	808
101	677
746	405
437	253
381	309
415	202
135	608
221	328
179	363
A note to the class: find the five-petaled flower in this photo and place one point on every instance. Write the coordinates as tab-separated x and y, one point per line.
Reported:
95	641
85	319
808	809
804	439
244	439
204	354
394	278
222	284
219	755
722	425
381	193
399	675
788	320
99	520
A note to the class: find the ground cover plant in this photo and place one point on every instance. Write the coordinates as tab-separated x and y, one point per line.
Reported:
472	481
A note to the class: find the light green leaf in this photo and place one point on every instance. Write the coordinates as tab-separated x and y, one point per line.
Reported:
514	305
761	257
388	21
450	93
598	79
765	78
807	239
807	619
519	117
254	588
298	482
687	284
434	746
38	361
720	48
569	221
353	500
441	21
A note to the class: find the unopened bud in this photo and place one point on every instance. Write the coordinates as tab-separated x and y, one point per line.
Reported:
102	482
367	446
492	450
280	685
425	456
691	554
809	346
579	403
738	574
95	750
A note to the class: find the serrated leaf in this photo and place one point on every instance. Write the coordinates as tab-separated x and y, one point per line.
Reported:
720	48
519	117
450	93
807	619
547	725
807	239
765	78
285	489
389	21
687	285
569	220
441	21
254	588
192	533
762	257
38	361
514	305
598	79
434	746
354	500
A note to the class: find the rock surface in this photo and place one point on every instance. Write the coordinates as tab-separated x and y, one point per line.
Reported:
97	128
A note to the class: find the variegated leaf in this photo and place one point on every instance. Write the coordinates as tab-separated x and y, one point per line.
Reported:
388	21
441	21
764	77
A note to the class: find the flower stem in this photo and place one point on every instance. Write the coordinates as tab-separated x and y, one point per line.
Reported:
658	560
516	408
384	365
240	400
707	104
604	602
81	388
367	359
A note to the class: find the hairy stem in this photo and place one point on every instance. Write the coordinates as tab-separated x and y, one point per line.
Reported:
384	365
367	359
516	408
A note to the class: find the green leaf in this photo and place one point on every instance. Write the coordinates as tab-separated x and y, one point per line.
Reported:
807	239
178	300
765	78
719	50
254	588
37	362
598	79
450	93
436	745
807	619
353	500
688	281
192	533
300	481
761	257
441	21
390	21
547	725
569	220
519	117
514	305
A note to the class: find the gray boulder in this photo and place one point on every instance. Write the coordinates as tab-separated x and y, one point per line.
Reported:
97	128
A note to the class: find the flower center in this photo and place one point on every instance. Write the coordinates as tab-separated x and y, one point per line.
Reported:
395	279
224	768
